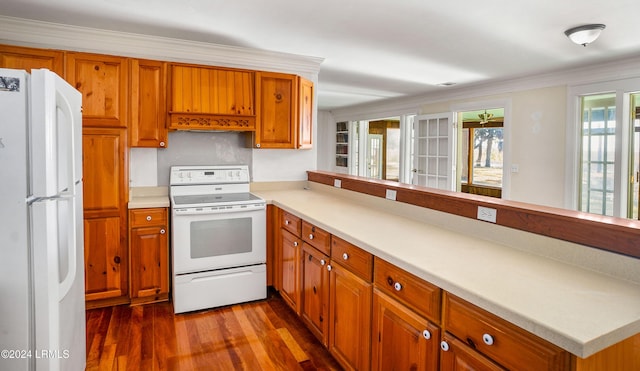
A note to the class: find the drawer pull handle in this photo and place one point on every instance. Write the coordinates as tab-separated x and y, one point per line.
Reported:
426	334
329	267
488	339
311	236
286	222
162	231
322	262
345	256
148	218
397	286
444	346
295	243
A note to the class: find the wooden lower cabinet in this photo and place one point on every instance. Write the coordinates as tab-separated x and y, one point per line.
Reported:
149	255
401	339
290	255
315	292
455	356
350	318
105	262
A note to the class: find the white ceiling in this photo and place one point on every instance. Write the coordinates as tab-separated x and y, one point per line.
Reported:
376	49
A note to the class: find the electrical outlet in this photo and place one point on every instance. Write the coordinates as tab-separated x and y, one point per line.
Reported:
487	214
337	183
391	194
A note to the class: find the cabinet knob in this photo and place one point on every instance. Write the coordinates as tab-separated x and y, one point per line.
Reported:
257	145
444	346
426	334
311	236
322	262
345	256
295	243
329	268
397	286
488	339
286	222
148	218
162	231
162	144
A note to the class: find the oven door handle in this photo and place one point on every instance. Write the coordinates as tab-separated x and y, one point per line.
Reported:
221	276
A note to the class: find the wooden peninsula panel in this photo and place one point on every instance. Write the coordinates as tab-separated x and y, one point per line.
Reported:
608	233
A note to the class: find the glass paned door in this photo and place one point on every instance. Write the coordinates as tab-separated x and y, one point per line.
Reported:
374	157
634	166
434	151
598	154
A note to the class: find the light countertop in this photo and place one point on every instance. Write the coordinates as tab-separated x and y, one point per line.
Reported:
148	197
580	309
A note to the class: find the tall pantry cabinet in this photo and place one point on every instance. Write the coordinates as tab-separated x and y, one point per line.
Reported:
103	82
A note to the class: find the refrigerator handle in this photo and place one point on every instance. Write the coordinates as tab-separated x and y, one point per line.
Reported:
67	282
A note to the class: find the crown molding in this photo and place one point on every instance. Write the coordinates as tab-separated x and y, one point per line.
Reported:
621	69
27	32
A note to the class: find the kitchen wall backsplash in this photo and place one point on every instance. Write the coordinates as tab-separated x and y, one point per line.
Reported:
202	148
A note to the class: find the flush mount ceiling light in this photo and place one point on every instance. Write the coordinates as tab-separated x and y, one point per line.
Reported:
586	34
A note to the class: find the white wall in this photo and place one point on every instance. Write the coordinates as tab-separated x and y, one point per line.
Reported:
538	122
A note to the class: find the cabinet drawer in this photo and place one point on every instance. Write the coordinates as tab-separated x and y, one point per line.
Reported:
423	296
291	223
352	257
148	217
505	343
316	237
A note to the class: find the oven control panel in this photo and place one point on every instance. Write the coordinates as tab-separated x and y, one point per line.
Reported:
184	175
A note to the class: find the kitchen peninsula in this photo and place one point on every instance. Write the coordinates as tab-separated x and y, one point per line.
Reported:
583	300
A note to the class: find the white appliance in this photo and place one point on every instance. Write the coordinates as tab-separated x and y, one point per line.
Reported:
42	311
218	239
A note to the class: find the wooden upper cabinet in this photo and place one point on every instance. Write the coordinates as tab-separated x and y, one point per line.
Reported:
103	81
305	135
147	124
211	98
284	111
21	58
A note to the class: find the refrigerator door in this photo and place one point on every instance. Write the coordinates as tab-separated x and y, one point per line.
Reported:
15	284
55	135
59	315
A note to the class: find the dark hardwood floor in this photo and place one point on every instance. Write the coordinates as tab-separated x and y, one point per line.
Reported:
263	335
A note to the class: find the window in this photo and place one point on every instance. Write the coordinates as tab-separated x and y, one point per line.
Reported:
482	142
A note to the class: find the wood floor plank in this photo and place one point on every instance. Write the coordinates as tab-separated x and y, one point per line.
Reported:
262	335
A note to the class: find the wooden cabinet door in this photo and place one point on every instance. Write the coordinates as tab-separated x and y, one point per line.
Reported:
290	263
103	81
305	134
211	98
149	262
105	196
315	292
350	318
147	124
455	356
21	58
276	110
401	339
105	259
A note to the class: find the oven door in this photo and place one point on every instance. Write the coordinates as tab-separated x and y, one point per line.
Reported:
204	241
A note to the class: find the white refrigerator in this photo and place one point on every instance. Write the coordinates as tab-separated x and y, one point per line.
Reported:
42	311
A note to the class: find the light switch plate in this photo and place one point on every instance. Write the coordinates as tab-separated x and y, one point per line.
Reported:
337	183
487	214
391	194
